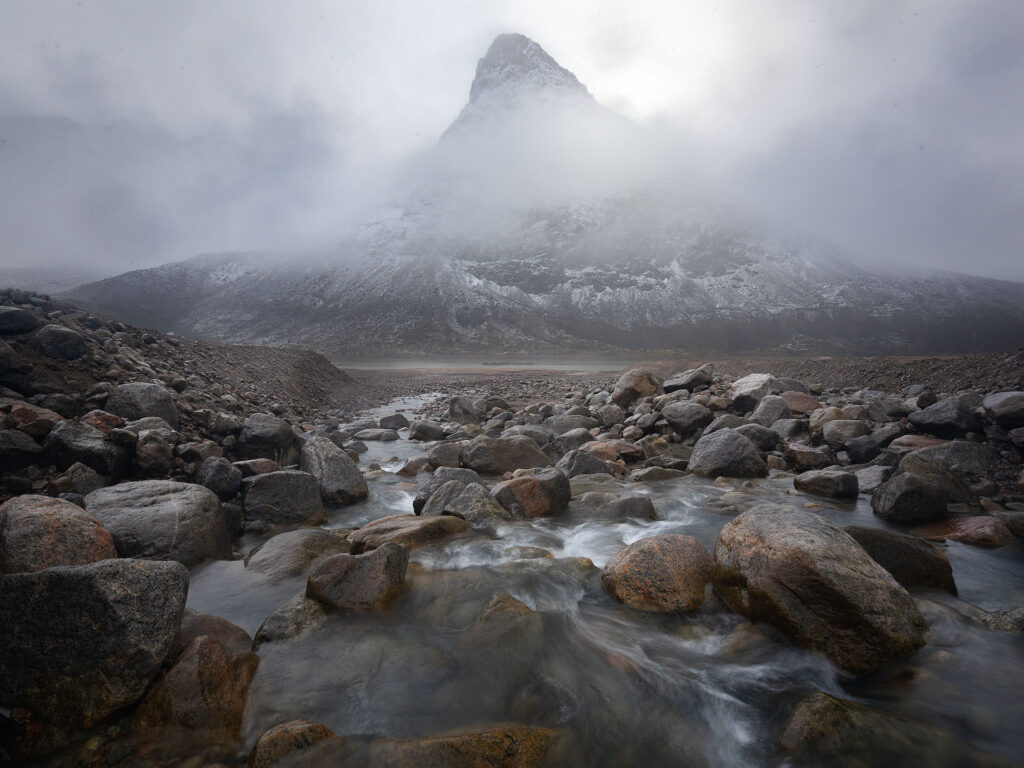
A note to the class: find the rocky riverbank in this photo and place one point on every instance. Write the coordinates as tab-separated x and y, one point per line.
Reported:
133	461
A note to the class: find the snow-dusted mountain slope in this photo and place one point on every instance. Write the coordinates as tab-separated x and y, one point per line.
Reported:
525	231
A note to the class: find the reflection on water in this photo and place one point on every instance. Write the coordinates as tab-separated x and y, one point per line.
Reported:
627	688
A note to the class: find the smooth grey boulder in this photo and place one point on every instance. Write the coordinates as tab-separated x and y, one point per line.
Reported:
690	379
445	455
298	615
394	421
15	320
441	476
906	497
74	441
540	435
338	477
772	408
139	399
949	418
571	440
82	642
686	418
579	462
762	437
807	578
726	453
1005	408
748	391
363	582
377	435
267	437
162	520
838	431
615	507
285	497
476	506
497	455
833	483
426	431
59	342
220	476
441	498
565	423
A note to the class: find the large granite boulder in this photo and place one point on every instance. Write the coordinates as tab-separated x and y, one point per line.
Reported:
82	642
907	497
686	418
267	437
666	573
338	477
162	520
806	577
59	342
285	497
497	455
139	400
726	453
748	391
38	532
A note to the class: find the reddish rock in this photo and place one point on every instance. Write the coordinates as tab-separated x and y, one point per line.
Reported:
667	573
601	450
510	746
103	421
38	532
34	421
281	744
980	531
204	692
798	402
252	467
534	495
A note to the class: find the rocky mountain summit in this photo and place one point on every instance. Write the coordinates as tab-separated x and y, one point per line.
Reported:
530	228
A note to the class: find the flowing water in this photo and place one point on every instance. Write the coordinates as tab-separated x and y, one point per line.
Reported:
626	687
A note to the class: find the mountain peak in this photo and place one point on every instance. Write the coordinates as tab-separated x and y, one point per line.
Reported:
514	62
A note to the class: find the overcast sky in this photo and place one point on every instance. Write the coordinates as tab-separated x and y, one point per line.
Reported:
893	128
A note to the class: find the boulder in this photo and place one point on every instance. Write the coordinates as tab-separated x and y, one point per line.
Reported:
806	577
634	384
1005	408
290	553
290	620
771	409
540	493
666	573
948	418
445	455
364	582
580	462
204	692
378	435
748	391
267	437
251	467
462	410
337	476
220	476
913	562
686	418
441	498
34	421
497	455
907	497
690	379
395	421
18	450
726	453
283	745
800	402
84	480
954	465
412	531
824	730
506	746
540	435
869	478
981	531
59	342
82	642
559	425
570	441
833	483
162	520
426	431
861	449
804	457
285	497
234	639
475	505
818	419
763	438
139	399
654	474
154	456
615	507
38	532
15	320
72	441
611	414
838	431
441	476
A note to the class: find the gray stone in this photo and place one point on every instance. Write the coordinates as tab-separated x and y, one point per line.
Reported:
291	553
913	562
394	421
615	507
267	437
286	497
495	456
565	423
59	342
138	400
364	582
299	615
74	441
764	438
838	431
686	418
951	417
748	391
726	453
220	476
909	498
426	431
772	408
581	462
338	477
162	520
827	482
1005	408
690	379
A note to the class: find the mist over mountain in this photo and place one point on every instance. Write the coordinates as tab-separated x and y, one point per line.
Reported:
542	221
